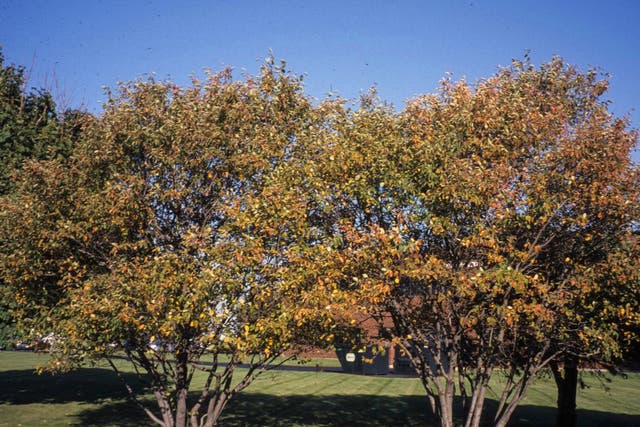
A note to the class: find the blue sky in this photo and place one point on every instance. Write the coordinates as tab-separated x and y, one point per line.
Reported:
404	47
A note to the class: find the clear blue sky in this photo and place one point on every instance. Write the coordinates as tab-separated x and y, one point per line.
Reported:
404	47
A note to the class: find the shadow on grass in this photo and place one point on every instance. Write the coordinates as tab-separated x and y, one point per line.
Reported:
89	385
101	386
115	414
355	410
255	409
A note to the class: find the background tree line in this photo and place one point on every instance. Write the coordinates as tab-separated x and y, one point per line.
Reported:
31	128
489	229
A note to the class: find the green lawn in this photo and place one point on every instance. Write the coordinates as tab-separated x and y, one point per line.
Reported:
93	396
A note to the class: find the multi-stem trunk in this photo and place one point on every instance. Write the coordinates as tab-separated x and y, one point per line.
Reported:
478	395
216	409
438	380
444	376
446	403
516	391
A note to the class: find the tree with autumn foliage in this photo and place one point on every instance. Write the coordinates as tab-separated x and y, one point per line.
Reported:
176	233
492	232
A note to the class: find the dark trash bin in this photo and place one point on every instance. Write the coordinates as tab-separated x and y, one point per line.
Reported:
372	360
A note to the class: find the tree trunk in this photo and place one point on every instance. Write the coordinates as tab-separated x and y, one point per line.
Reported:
446	403
474	415
446	415
216	408
182	411
506	416
567	386
165	408
182	388
522	388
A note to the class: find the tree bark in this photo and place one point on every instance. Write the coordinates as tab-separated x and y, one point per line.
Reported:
182	387
474	415
165	408
216	408
445	399
567	386
521	390
446	413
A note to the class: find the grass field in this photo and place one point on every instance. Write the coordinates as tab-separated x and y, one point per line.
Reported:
93	396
